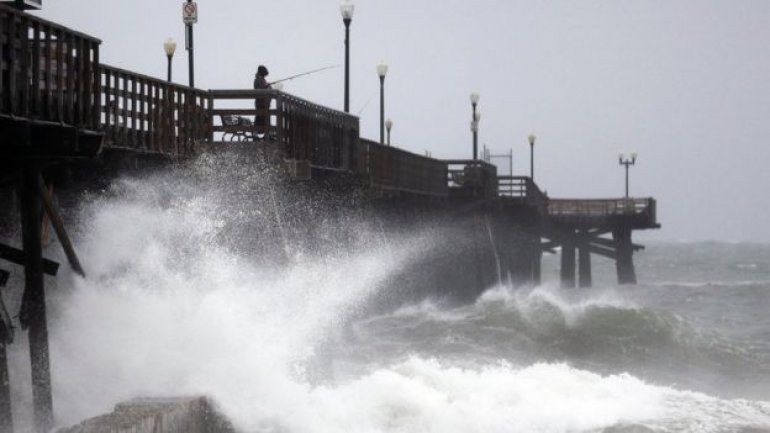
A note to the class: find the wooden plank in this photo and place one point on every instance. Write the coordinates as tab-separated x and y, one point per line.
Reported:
82	104
12	64
24	55
142	113
97	86
49	110
60	73
3	71
122	119
131	114
37	102
15	255
152	116
69	97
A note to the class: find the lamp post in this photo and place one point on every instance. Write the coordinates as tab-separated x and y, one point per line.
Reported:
627	161
388	125
475	124
382	70
532	139
346	9
169	46
190	57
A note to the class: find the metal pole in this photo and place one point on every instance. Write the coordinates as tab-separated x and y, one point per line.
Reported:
532	160
475	134
190	51
347	64
510	163
382	109
388	136
626	164
169	68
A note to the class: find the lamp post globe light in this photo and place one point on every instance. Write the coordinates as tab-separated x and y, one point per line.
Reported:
627	161
169	47
346	9
388	125
382	70
474	124
532	139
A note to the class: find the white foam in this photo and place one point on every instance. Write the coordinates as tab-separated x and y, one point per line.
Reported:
163	312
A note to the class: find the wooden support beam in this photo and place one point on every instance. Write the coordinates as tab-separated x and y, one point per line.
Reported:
568	265
6	418
585	266
58	225
6	338
624	263
33	314
604	252
610	243
537	257
15	255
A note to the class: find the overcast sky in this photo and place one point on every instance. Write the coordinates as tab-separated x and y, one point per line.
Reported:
683	83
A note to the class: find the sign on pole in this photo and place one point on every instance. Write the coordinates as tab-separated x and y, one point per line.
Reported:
190	12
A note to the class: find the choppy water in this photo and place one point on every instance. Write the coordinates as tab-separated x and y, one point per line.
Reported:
181	300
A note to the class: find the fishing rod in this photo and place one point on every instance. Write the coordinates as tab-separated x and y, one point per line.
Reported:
304	73
364	107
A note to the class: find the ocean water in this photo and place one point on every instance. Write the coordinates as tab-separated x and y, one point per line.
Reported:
197	284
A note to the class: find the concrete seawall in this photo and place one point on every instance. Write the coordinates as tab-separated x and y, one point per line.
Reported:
158	415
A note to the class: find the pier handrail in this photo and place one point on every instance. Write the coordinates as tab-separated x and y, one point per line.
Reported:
48	73
476	175
524	188
322	136
391	168
600	207
147	114
640	212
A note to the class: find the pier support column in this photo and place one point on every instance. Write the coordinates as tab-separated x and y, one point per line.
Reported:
6	421
584	278
537	258
568	264
33	313
624	263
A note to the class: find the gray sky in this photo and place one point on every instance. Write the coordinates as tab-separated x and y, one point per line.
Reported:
683	83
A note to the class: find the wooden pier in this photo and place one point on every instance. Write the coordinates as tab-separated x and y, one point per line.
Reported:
61	107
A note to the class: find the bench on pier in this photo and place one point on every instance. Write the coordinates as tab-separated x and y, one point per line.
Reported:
239	128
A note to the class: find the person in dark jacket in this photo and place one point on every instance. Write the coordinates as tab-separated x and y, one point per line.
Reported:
262	104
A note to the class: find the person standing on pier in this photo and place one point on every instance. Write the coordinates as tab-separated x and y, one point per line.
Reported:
262	104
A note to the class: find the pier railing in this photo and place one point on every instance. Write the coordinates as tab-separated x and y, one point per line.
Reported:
48	73
472	177
589	212
146	114
390	168
309	132
523	188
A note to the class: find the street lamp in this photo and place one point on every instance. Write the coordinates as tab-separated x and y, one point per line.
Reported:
627	161
388	125
532	139
169	46
382	69
475	124
346	9
475	131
